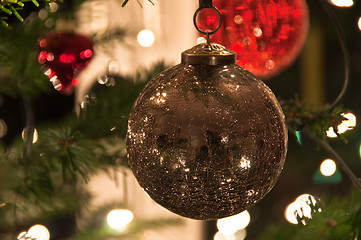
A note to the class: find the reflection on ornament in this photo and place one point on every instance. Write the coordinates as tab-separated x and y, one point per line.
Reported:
266	35
64	56
205	140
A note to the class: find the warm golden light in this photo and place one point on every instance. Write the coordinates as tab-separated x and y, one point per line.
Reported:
239	235
359	23
119	219
38	232
291	210
35	135
301	207
230	225
146	38
342	3
344	126
328	167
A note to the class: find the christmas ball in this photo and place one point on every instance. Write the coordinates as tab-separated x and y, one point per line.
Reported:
267	35
206	139
64	55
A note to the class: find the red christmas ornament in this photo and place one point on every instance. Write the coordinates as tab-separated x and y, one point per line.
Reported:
64	56
267	35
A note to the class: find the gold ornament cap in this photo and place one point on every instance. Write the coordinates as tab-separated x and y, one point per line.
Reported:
212	54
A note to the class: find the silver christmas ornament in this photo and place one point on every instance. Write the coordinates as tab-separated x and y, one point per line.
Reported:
206	139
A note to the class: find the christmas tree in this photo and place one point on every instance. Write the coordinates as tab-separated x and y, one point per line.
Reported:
64	168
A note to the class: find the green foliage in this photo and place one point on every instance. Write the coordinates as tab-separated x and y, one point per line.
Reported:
317	119
340	219
11	7
20	72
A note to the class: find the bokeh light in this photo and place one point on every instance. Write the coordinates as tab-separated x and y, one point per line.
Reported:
301	207
35	135
239	235
22	236
291	210
3	128
230	225
342	3
119	219
328	167
359	23
344	126
146	38
38	232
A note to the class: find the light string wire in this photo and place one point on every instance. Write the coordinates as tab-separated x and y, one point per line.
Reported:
323	141
345	52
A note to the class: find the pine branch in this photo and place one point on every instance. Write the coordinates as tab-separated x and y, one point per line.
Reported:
340	218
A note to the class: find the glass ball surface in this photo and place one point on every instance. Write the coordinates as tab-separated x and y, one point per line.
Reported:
206	142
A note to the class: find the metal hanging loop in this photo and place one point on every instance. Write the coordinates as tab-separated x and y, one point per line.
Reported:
202	5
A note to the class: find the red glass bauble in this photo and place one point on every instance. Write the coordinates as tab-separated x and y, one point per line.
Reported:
64	55
267	35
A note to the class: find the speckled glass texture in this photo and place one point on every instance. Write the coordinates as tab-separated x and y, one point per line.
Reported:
206	142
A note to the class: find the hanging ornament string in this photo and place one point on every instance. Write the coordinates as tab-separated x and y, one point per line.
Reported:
207	4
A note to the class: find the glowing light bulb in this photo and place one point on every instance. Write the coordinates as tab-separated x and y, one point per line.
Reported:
146	38
230	225
344	126
328	167
290	213
35	135
359	23
119	219
306	198
342	3
38	232
22	236
239	235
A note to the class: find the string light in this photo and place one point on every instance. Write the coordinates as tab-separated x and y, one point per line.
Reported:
344	126
342	3
119	219
230	225
239	235
38	232
300	207
328	167
146	38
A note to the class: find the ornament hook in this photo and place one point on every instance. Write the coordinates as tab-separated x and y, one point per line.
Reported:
202	5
